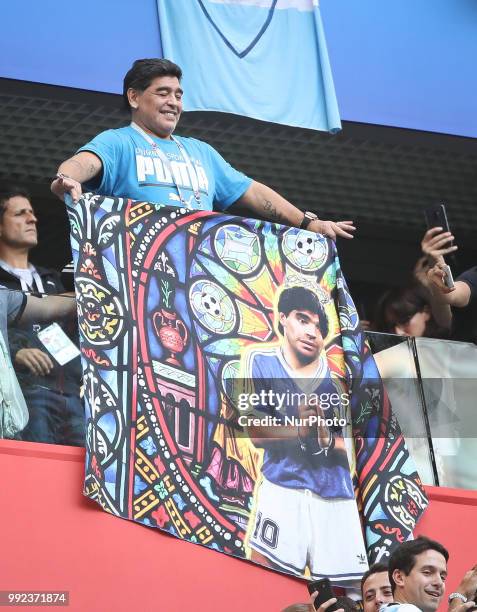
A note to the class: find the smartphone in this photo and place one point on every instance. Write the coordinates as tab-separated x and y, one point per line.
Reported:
436	216
325	592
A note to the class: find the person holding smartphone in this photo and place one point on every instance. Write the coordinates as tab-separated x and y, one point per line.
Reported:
375	592
445	293
461	298
464	290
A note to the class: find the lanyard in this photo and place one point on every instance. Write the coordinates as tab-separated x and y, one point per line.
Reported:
24	285
167	162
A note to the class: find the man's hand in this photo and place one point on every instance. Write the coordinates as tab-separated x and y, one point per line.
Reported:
456	605
79	169
34	360
436	276
458	296
434	242
64	184
468	584
325	605
332	229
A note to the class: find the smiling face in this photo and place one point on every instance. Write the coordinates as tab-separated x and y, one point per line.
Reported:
424	586
18	224
376	591
158	108
301	330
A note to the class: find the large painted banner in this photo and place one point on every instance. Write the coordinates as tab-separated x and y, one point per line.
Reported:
199	331
265	59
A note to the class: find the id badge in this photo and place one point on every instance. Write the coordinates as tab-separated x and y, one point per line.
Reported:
58	344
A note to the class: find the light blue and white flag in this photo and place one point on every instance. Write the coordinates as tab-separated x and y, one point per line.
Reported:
265	59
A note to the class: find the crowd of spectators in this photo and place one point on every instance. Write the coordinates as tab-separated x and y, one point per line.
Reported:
413	579
425	307
152	93
40	357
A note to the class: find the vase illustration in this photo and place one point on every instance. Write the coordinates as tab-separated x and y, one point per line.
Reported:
172	333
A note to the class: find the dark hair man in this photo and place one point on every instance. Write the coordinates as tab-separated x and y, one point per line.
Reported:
144	161
18	235
305	467
376	591
376	588
307	300
417	572
51	391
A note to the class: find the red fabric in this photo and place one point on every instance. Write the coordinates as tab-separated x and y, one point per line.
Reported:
55	539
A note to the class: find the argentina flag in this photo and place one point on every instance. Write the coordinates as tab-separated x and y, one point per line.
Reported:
265	59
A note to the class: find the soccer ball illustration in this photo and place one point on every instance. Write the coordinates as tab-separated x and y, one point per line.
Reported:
305	250
212	306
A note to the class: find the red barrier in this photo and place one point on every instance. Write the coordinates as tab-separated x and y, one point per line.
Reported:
52	538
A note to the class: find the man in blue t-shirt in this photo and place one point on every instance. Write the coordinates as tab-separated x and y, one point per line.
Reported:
144	161
305	514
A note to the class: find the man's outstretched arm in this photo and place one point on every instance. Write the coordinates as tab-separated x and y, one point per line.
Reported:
458	296
269	204
78	169
49	308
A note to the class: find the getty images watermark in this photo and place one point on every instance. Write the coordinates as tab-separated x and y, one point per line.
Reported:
280	402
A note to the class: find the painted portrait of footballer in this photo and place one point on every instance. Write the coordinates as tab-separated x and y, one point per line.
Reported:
305	518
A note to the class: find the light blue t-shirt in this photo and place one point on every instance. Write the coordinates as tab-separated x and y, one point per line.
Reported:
132	169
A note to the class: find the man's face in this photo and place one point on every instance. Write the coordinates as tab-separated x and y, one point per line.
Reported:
301	329
425	584
18	224
158	108
376	592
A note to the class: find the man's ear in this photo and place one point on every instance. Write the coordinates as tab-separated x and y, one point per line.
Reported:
132	98
282	317
398	576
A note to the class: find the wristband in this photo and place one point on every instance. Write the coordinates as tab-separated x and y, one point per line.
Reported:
308	217
456	595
